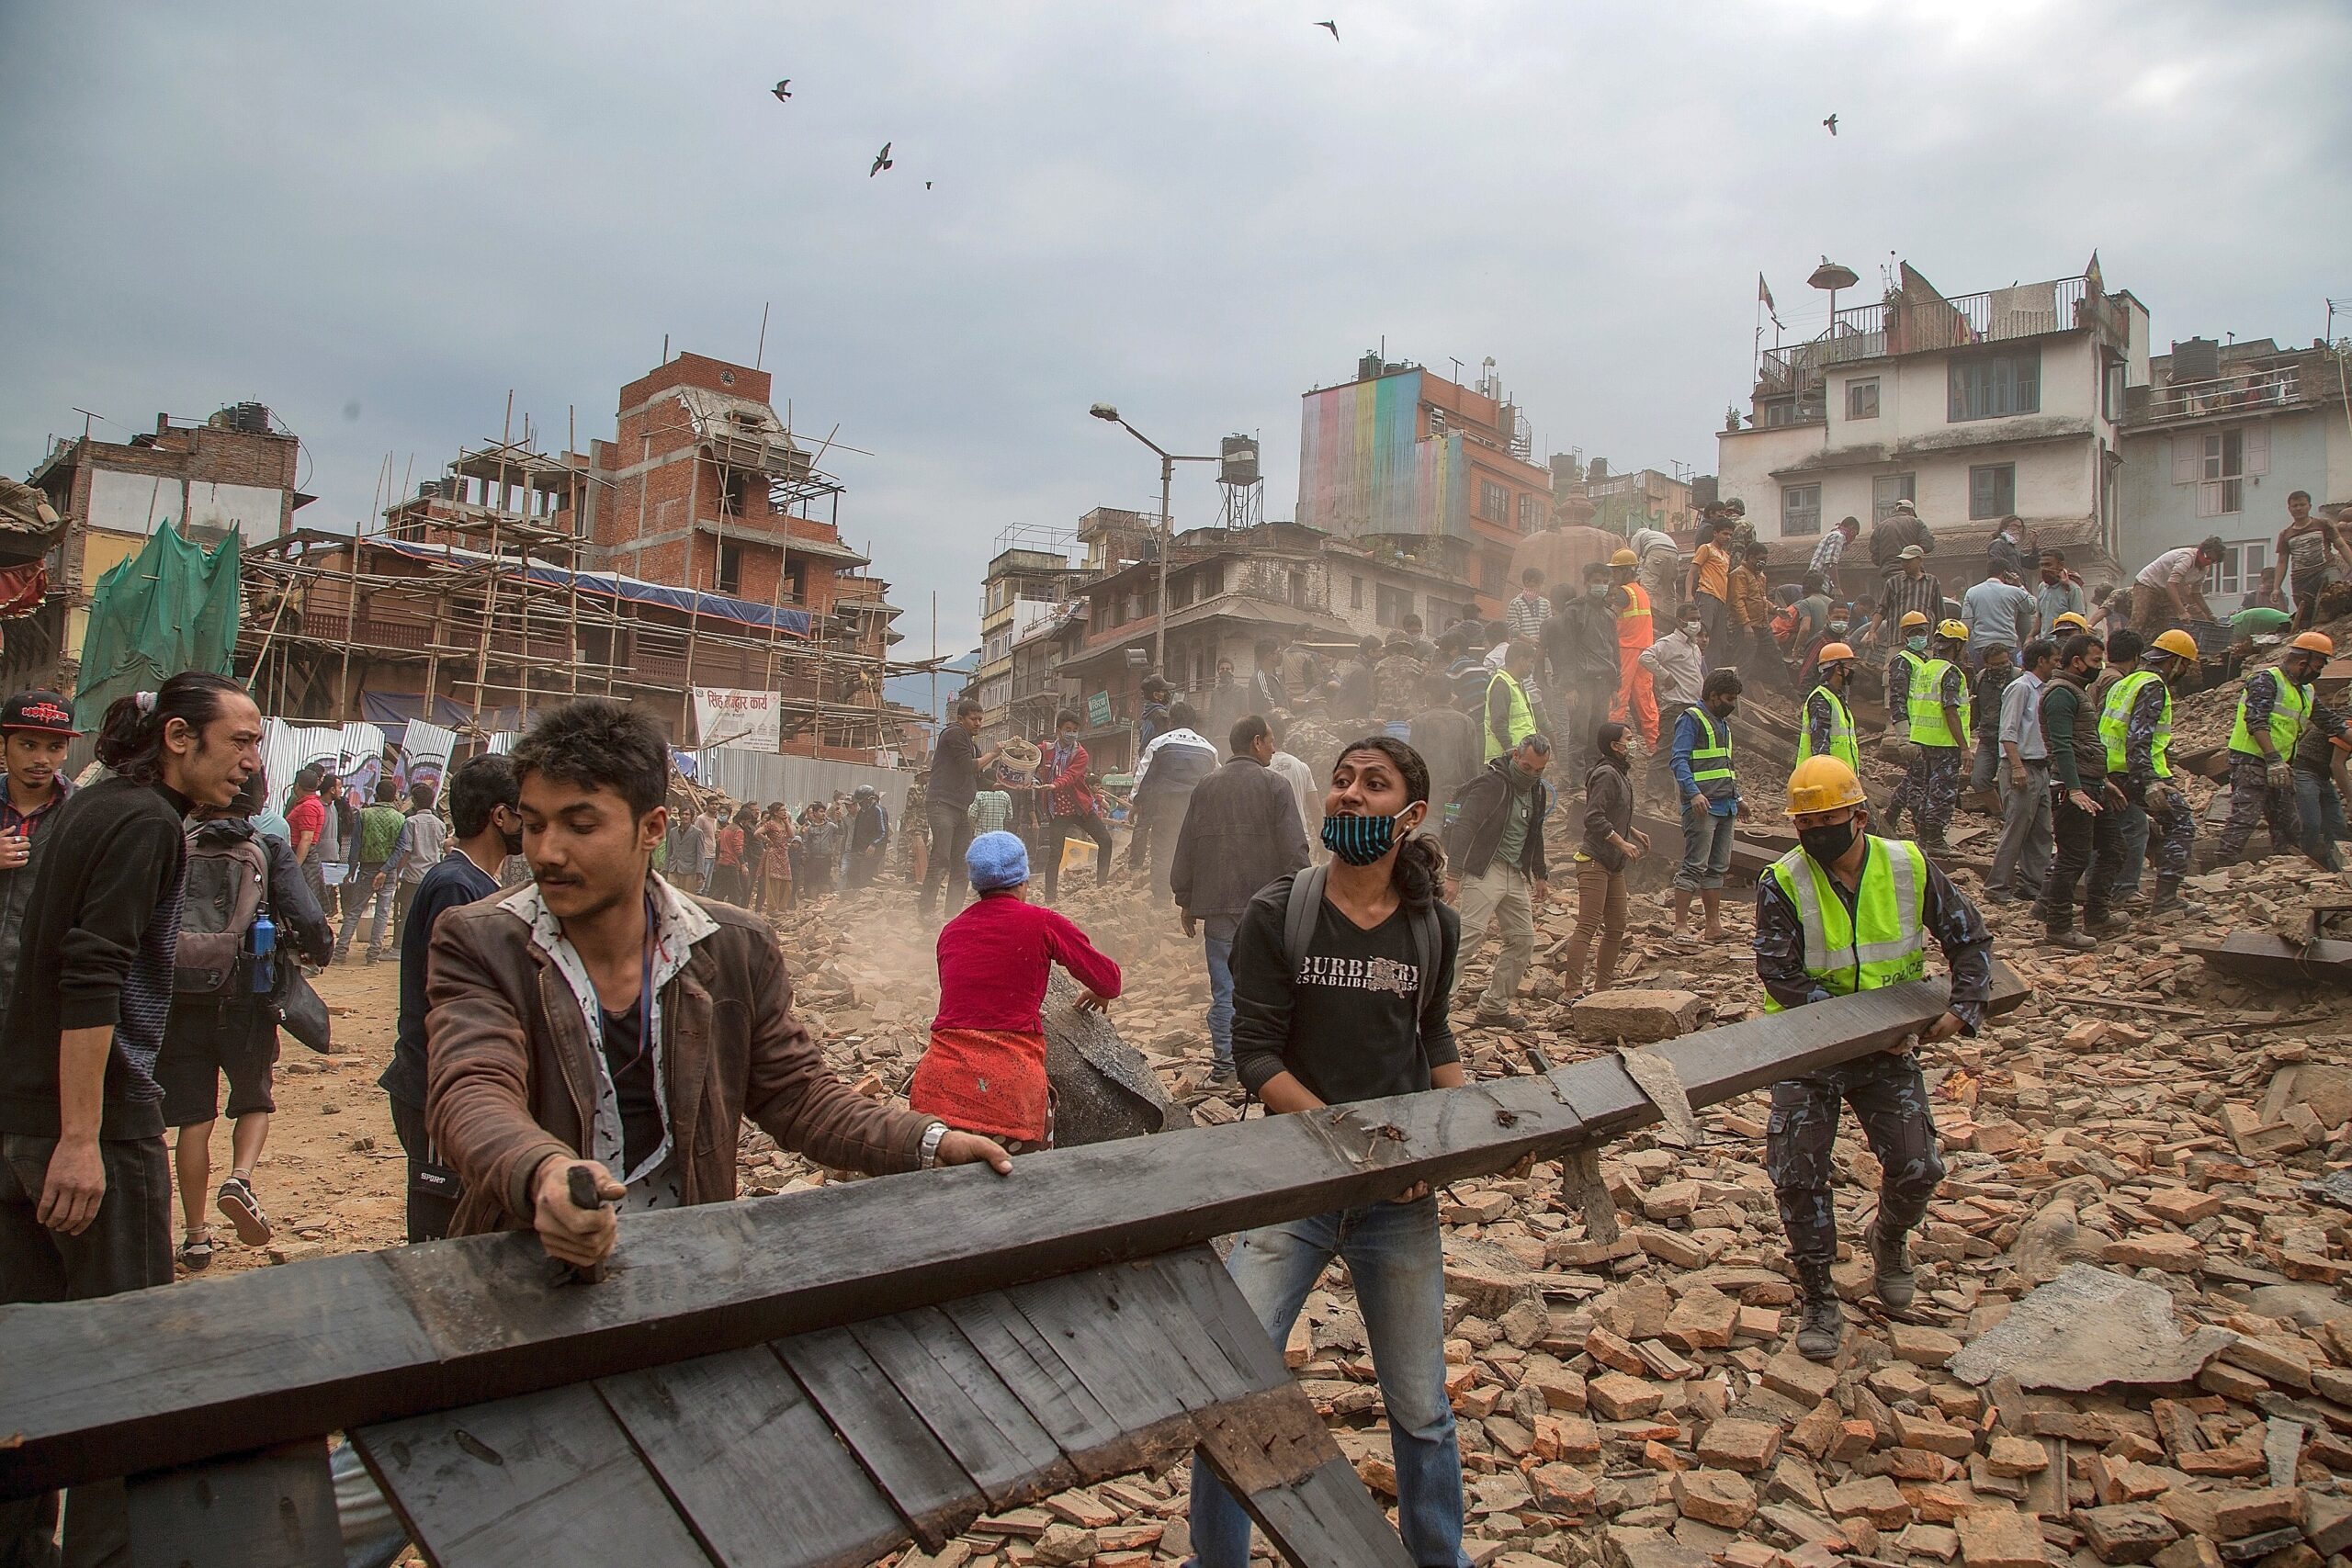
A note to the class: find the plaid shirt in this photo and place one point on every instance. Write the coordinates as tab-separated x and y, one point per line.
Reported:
991	812
1902	595
14	821
1827	553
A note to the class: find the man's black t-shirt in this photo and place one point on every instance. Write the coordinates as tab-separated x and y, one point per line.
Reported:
630	1061
954	769
1344	1025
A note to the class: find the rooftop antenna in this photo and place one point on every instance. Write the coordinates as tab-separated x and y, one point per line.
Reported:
87	417
761	353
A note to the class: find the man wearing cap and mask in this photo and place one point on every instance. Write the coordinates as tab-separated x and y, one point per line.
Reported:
1941	738
1903	669
1844	912
1825	724
36	728
2136	724
1909	589
2277	706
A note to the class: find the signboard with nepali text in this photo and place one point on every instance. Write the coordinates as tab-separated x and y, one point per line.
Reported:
726	717
1098	710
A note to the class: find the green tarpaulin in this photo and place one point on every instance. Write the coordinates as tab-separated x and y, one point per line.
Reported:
173	606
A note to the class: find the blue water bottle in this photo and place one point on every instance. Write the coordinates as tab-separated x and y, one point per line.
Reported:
265	954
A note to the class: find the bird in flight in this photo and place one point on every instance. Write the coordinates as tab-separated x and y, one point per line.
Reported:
881	162
783	91
1832	123
926	185
1333	25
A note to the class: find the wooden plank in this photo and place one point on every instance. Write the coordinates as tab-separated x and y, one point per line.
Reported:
162	1377
1274	1454
933	1493
549	1477
977	1418
1223	1314
270	1509
1111	1343
2261	955
1096	1442
750	1462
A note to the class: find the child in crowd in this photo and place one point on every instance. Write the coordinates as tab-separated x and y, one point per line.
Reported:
985	1070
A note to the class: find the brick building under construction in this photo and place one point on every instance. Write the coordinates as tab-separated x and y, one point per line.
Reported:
698	548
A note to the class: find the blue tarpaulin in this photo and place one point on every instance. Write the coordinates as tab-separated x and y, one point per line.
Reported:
612	586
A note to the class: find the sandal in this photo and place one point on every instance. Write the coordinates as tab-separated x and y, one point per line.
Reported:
237	1200
197	1252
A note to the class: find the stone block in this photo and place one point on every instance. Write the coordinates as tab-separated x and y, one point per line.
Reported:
1639	1016
1616	1397
2000	1538
1935	1437
2125	1532
1717	1497
1743	1446
1871	1497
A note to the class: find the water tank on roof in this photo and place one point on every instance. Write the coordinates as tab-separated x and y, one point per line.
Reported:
1237	460
1705	491
251	418
2197	359
1368	366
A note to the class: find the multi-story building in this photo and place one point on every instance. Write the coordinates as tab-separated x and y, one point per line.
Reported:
235	469
2216	441
1974	408
1029	578
1405	458
1641	499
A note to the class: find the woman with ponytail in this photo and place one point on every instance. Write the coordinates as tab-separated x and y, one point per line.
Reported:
1356	1011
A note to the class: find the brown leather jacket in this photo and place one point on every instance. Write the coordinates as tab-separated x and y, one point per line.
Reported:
512	1073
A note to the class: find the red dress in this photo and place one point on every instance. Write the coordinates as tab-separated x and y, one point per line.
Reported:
985	1071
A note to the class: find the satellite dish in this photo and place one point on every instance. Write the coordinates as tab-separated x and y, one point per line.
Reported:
1833	275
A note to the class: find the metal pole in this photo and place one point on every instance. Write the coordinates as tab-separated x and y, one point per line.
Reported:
1167	542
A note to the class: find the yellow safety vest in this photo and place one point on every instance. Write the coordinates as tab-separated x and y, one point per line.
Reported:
1523	717
1711	759
1882	943
2114	723
1841	730
2290	714
1927	726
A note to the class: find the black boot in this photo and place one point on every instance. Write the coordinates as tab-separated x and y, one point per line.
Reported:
1821	1322
1896	1284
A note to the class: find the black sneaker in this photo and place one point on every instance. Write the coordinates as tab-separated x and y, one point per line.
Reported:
1504	1019
2072	941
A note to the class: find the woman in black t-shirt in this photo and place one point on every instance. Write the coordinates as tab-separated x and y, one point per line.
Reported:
1352	1017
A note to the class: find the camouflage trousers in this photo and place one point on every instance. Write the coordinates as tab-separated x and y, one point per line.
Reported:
2171	832
2253	800
1889	1095
1930	790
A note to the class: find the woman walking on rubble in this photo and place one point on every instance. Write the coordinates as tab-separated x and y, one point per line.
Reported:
775	871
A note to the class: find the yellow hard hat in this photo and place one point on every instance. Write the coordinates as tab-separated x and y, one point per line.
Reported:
1954	630
1913	618
1823	784
2070	618
1624	558
2178	643
2315	642
1831	652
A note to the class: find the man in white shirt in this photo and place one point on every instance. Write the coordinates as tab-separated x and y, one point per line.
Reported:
1304	787
1659	570
2023	858
2170	589
1170	768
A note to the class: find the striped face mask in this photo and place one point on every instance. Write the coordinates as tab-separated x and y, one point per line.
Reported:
1359	841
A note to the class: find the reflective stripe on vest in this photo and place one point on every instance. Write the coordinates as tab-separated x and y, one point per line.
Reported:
1633	628
1523	717
1841	732
1712	758
1927	726
2114	723
2290	714
1883	943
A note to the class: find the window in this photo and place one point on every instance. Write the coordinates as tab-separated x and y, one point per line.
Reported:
1492	569
1992	490
2240	567
1800	508
1355	592
1990	385
1888	489
1530	517
731	567
1494	501
2112	391
2221	490
1861	397
1392	605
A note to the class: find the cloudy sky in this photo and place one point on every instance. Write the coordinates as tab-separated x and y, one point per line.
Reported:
380	220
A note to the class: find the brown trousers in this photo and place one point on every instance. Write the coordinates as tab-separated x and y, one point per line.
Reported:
1600	907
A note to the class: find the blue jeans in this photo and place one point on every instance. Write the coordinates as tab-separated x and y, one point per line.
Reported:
1216	942
1706	847
361	890
2135	850
1984	772
2321	811
1392	1251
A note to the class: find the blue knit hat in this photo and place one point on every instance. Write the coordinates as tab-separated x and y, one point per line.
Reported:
997	860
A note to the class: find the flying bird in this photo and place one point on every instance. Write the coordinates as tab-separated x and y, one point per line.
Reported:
1333	25
926	185
783	91
881	162
1832	123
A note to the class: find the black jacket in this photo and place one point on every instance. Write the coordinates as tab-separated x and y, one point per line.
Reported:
1477	829
1608	807
1241	831
1580	639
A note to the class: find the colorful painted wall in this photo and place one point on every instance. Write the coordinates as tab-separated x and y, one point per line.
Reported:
1364	467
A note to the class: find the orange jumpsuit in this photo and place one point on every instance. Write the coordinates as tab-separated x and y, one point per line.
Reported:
1636	696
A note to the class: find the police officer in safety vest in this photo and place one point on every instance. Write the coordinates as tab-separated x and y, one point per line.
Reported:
1825	728
2274	711
1510	717
1707	787
2135	726
1843	912
1902	669
1942	739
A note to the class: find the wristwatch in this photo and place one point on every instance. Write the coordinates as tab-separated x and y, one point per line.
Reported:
930	1150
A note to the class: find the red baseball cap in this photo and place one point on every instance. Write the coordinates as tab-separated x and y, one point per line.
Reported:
43	713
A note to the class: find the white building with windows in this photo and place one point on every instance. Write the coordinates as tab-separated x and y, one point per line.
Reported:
2218	439
1974	408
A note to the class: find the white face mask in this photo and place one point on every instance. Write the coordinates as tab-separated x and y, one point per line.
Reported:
1691	628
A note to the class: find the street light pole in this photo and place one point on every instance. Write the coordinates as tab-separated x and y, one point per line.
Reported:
1168	461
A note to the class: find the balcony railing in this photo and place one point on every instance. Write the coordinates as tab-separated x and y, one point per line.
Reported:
1907	325
2248	391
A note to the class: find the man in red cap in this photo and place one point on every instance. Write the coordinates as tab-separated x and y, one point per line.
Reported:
35	730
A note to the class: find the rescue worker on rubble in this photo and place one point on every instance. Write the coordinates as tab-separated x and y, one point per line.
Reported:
2135	722
1847	911
1636	696
1902	669
2086	807
1940	736
1826	726
2277	706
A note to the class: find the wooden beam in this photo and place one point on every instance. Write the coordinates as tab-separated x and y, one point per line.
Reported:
170	1376
2261	955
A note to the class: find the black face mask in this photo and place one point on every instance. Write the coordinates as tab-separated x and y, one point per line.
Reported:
1828	844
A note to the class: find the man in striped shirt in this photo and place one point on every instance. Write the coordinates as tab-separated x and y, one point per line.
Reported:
1909	589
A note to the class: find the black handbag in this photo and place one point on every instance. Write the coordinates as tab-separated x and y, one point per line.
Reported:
301	1012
